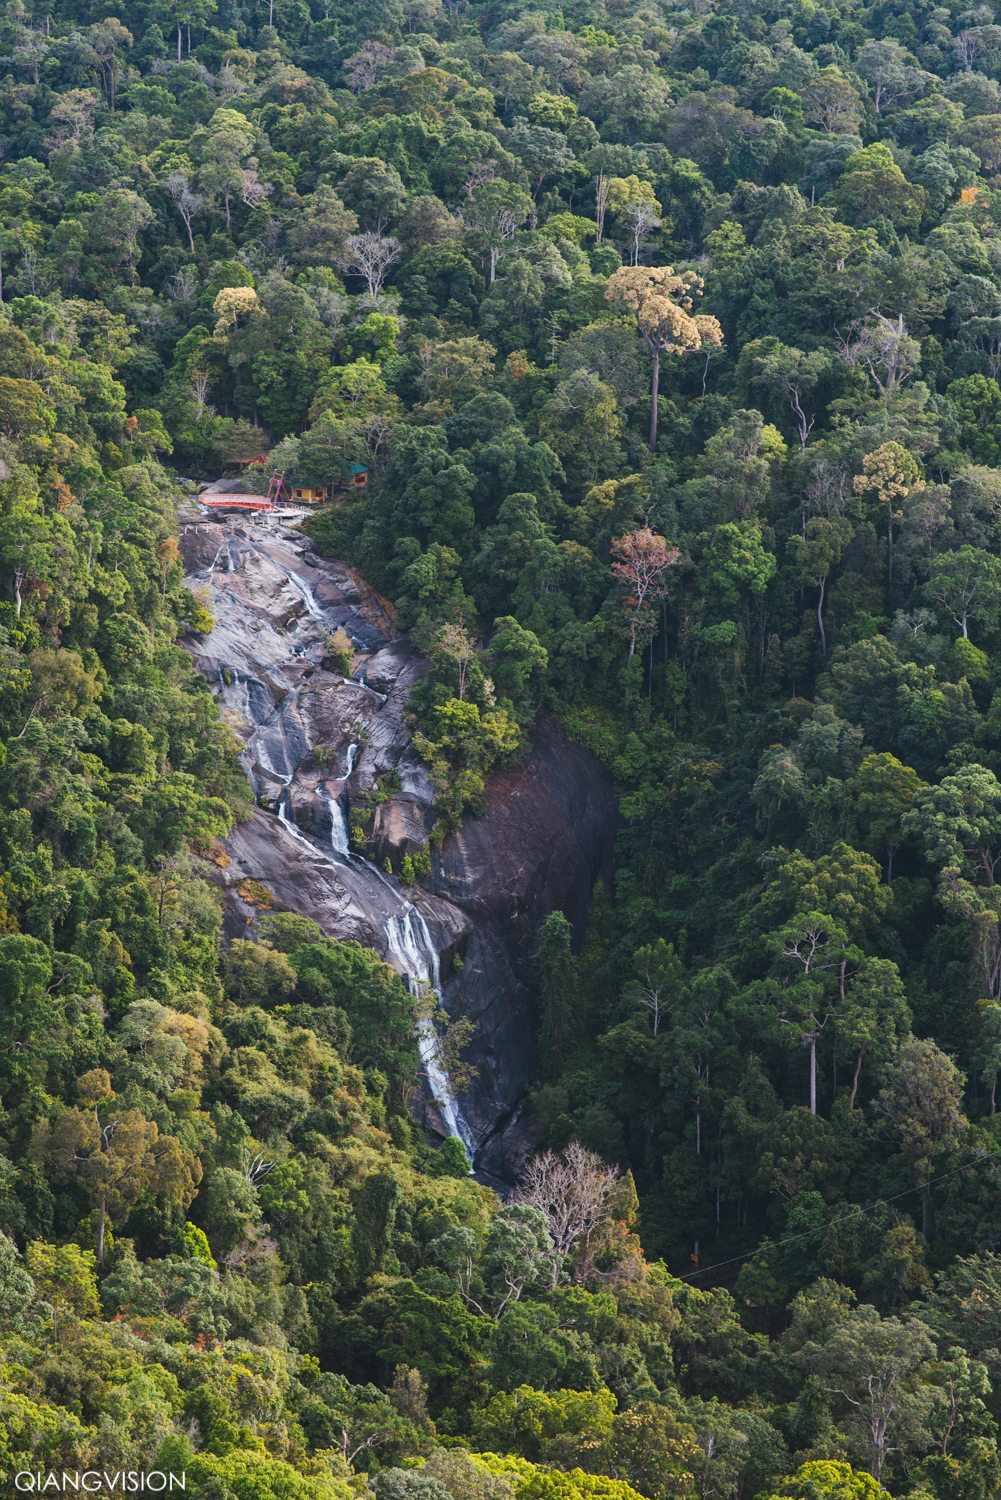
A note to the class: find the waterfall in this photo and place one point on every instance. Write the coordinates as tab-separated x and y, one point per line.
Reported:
276	743
410	944
313	606
287	821
262	753
411	949
339	837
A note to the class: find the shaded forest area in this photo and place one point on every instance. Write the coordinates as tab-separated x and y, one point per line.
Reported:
670	342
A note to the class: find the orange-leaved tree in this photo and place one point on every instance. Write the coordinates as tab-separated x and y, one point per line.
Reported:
117	1155
642	561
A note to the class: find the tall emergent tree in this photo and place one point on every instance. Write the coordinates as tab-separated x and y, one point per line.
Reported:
661	303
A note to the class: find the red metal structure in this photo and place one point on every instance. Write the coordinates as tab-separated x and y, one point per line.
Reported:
235	502
276	486
275	497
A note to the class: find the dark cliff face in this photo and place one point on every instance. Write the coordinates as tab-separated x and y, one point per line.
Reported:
314	746
546	837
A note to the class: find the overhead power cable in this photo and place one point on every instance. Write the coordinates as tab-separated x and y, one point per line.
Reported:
858	1208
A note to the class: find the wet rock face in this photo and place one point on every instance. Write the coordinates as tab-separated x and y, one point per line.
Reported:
316	744
545	839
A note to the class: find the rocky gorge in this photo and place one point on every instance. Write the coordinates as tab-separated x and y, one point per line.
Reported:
318	745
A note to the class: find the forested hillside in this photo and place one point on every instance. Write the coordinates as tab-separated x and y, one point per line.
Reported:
668	343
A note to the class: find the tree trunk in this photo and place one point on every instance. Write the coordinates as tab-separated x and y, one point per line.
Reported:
858	1069
820	614
655	386
813	1075
891	850
601	198
228	223
801	423
991	1094
178	41
952	1416
100	1233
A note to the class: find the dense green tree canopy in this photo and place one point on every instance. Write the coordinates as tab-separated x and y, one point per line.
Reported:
668	342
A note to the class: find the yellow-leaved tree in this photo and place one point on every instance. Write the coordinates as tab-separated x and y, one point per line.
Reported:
661	303
232	304
890	472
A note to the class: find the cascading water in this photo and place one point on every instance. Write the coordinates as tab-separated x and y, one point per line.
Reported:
411	949
339	837
313	606
409	945
541	843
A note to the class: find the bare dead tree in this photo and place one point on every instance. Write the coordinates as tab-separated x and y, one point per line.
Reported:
576	1191
479	173
370	255
880	344
252	190
183	288
825	494
362	68
187	203
256	1168
20	575
968	48
201	383
641	221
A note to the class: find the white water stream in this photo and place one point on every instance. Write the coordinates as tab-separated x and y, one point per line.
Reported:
409	945
410	949
340	839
